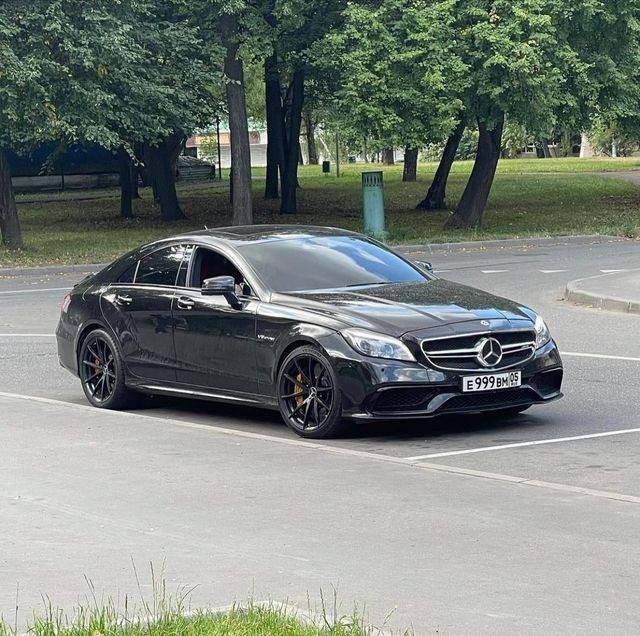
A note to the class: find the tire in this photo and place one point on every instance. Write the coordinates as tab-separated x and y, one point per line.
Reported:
101	372
512	411
309	395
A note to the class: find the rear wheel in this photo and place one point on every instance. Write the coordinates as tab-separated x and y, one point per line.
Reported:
102	372
308	394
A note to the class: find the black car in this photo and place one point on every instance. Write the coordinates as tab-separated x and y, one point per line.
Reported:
320	323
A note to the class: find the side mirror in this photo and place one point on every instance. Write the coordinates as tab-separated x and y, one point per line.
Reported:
425	265
221	286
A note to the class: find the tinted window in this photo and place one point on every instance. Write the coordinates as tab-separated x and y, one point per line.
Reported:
128	275
326	262
160	267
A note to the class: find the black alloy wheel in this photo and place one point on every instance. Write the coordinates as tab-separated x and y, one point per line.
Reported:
308	394
100	370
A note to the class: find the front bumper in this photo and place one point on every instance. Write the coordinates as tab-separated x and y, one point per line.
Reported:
390	389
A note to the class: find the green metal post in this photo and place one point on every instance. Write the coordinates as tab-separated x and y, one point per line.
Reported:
373	204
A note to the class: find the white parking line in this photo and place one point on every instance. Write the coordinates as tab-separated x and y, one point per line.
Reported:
8	292
494	271
538	442
27	335
553	271
598	356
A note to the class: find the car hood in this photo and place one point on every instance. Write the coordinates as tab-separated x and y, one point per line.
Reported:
396	309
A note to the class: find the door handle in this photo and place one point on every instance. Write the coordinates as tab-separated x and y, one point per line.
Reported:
185	303
123	300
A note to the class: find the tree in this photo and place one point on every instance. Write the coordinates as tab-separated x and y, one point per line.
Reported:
436	198
398	75
535	64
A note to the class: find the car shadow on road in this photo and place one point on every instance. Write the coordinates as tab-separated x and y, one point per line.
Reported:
268	422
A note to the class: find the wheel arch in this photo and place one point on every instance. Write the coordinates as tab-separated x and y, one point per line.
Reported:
84	330
292	346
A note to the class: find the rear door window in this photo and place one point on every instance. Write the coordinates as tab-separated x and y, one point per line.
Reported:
161	267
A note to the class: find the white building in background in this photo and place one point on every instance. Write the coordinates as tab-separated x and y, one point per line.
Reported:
204	145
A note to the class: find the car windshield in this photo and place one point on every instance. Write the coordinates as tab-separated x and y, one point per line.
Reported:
326	262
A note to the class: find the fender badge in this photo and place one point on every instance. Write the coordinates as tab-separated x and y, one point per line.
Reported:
485	323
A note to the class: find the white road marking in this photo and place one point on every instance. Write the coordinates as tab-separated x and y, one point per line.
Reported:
494	271
8	292
336	450
612	271
598	356
553	271
27	335
538	442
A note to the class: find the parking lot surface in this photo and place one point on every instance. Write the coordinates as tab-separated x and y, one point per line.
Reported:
462	525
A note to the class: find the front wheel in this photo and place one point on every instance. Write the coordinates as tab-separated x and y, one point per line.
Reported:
309	395
102	372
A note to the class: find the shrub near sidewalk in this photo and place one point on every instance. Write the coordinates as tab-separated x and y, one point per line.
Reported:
525	201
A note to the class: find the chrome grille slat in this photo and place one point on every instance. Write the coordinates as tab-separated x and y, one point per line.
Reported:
517	347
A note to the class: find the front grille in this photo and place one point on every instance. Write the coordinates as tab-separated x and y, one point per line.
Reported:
461	353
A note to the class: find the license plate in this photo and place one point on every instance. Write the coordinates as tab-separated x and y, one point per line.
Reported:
491	381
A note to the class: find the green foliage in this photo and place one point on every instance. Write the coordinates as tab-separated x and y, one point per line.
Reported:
106	72
396	67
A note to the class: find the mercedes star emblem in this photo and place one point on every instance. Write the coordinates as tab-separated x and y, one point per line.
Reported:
489	352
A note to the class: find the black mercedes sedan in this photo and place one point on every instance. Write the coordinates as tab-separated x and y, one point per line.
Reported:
320	323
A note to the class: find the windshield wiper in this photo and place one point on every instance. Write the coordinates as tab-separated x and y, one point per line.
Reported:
384	282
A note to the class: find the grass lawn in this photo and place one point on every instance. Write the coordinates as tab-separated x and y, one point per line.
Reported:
529	198
251	621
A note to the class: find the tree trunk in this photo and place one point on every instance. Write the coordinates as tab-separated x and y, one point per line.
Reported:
126	184
162	176
388	156
474	198
135	172
410	169
275	135
288	203
9	222
310	132
436	195
242	205
300	155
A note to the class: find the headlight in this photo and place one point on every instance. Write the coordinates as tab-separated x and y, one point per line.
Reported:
542	332
377	345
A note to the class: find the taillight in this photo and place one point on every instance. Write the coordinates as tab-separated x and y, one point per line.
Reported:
65	303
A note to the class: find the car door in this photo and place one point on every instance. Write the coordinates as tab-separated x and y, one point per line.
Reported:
138	308
215	343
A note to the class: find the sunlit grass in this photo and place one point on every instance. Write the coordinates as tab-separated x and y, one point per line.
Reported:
529	198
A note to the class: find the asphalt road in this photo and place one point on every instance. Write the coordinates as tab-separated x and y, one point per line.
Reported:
463	525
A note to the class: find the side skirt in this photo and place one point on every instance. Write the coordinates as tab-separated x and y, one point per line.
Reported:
250	399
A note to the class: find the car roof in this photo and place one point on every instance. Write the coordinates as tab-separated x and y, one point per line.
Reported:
243	234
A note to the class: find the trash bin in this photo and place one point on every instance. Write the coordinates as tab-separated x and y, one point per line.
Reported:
373	204
326	167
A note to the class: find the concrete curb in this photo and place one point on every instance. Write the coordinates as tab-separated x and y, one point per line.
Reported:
45	270
575	293
532	241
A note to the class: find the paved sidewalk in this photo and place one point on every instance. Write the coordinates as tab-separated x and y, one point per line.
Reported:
613	291
86	493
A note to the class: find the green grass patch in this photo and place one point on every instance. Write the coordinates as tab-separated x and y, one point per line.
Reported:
529	198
